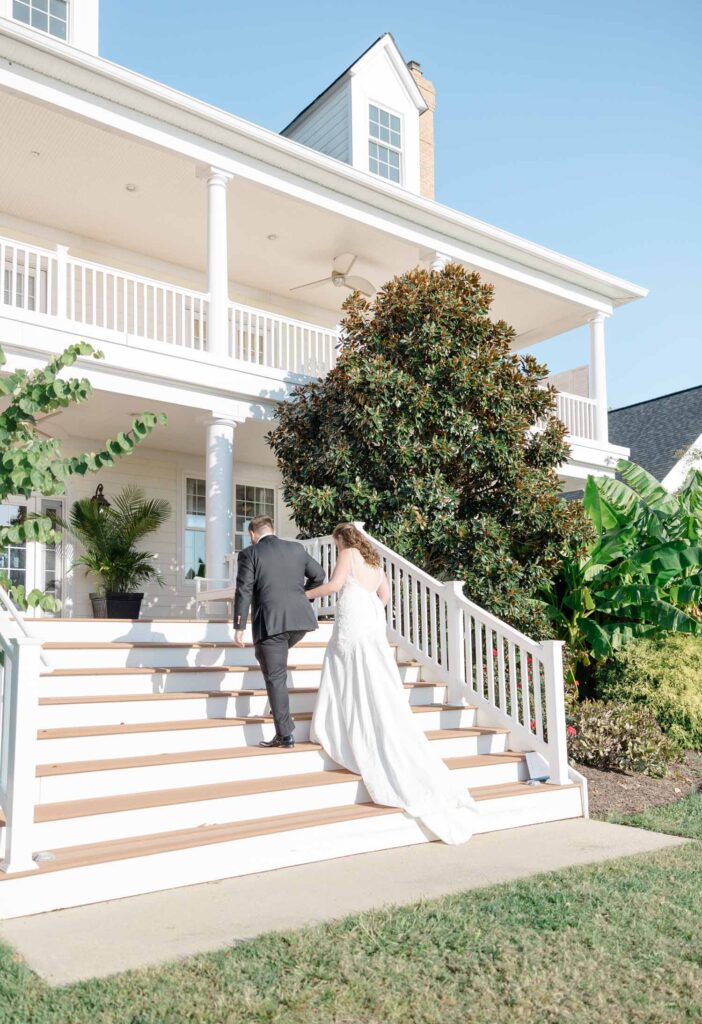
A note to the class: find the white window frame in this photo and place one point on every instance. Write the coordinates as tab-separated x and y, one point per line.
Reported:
247	481
10	14
387	145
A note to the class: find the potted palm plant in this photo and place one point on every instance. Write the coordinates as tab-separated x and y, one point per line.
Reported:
109	534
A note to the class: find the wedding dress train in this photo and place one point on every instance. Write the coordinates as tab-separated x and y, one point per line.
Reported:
364	722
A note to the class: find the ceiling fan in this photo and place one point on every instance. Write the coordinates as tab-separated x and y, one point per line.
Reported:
340	276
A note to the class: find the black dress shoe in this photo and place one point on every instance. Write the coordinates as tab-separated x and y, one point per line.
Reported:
279	741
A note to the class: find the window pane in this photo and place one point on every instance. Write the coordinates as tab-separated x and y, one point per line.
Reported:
20	12
194	558
57	8
40	20
57	28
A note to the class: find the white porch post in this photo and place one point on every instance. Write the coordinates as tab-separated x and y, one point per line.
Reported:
219	536
598	376
438	262
217	261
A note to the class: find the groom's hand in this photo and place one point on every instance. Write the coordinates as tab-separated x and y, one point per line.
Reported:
239	638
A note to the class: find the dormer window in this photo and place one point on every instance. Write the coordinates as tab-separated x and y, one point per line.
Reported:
384	144
47	15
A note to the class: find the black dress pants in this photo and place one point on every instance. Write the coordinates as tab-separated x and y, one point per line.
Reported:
272	656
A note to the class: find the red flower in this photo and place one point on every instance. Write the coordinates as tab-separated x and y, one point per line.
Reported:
571	730
494	652
532	723
519	686
577	683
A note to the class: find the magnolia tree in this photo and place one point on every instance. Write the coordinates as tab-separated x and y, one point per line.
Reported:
438	436
31	463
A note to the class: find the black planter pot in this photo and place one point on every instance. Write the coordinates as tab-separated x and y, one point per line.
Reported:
116	606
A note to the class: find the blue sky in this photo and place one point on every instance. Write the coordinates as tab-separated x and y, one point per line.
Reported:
575	125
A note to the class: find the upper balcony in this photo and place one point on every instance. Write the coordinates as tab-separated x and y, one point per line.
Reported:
100	303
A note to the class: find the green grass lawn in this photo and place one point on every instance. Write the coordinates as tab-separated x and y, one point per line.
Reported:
615	942
683	818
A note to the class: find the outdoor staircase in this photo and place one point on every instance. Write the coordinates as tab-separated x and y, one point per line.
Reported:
149	776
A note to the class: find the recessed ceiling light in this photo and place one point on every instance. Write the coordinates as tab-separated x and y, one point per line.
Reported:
131	187
272	238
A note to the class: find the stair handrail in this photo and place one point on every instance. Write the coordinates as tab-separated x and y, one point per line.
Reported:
515	682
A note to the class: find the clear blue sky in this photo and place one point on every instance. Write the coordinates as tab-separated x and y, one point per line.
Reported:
576	125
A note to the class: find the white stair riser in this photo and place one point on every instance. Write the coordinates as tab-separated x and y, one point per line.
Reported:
157	872
110	782
157	631
88	748
94	828
81	685
170	657
59	716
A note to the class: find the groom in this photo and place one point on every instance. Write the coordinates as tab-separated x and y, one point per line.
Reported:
273	575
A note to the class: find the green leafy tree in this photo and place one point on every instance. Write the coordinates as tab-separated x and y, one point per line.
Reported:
426	430
642	577
32	463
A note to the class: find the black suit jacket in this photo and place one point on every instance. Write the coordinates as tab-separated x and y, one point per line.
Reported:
272	577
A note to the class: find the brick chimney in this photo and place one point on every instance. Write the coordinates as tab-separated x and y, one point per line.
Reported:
426	130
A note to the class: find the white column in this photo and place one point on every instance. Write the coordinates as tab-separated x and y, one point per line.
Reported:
217	261
439	262
598	375
219	475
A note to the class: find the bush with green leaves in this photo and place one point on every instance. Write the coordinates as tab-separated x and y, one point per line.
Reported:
620	737
642	576
427	431
110	534
32	463
663	675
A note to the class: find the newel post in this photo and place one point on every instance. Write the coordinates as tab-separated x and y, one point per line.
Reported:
19	737
455	642
555	711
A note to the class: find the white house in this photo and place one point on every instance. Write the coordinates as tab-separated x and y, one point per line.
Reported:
180	240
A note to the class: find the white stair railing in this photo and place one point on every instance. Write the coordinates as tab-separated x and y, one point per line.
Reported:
20	665
514	681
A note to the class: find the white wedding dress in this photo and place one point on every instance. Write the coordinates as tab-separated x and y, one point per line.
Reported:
364	722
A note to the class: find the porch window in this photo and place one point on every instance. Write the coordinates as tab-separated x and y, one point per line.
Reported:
251	501
195	523
47	15
384	144
13	557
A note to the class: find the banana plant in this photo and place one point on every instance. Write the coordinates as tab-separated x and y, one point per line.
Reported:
643	574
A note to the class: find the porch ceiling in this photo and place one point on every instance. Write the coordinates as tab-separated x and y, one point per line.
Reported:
76	186
107	413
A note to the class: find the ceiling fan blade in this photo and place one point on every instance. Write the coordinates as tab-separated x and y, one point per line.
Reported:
360	284
343	262
310	284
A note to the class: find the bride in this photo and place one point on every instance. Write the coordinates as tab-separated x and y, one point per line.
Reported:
363	719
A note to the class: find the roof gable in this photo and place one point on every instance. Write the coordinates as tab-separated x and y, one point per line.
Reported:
658	430
386	46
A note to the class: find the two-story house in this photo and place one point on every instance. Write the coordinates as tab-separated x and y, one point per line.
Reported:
207	258
181	241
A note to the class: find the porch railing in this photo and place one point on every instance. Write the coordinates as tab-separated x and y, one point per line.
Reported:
55	284
578	414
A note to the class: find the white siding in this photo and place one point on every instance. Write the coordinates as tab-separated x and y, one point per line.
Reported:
574	382
326	127
161	475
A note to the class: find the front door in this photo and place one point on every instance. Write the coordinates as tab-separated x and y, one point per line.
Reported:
33	566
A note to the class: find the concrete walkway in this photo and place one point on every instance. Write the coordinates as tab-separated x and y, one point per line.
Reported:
95	941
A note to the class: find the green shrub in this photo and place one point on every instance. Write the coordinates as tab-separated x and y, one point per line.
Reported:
663	675
623	737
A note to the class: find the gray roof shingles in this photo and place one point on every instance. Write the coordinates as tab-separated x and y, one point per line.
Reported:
657	431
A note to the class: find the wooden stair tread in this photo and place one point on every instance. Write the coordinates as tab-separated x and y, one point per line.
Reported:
165	842
69	732
140	670
64	809
216	754
106	645
107	698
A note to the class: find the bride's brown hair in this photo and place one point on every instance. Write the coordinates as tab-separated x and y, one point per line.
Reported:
353	538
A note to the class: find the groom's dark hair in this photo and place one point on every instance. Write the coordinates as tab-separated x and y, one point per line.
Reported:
259	523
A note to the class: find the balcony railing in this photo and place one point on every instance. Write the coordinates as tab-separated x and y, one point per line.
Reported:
578	414
137	308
